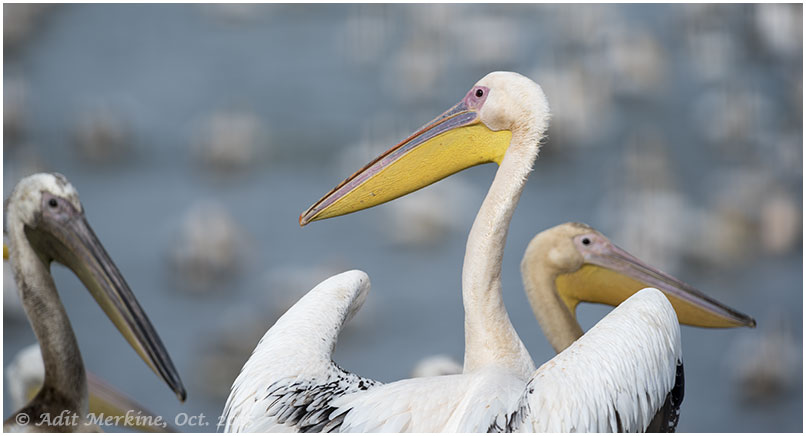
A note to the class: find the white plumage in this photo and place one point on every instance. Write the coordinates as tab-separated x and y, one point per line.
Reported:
584	388
290	379
439	364
427	404
291	383
605	382
25	373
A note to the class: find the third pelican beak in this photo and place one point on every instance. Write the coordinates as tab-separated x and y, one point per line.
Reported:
610	275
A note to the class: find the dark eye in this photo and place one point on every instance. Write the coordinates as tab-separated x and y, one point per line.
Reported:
53	203
479	92
586	241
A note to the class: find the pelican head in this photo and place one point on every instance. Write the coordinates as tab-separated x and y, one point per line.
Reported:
586	266
477	130
45	210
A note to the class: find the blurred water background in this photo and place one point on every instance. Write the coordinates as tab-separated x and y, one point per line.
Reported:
196	135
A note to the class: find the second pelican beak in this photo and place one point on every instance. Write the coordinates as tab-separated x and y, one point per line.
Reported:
610	275
65	236
455	140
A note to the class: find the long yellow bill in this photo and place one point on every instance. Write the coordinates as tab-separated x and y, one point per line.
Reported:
610	275
455	140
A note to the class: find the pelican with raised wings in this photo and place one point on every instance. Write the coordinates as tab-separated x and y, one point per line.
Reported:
291	383
46	223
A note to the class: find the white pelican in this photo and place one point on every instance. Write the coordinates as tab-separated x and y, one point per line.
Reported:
230	141
26	374
290	381
765	366
438	364
46	223
208	248
572	262
103	135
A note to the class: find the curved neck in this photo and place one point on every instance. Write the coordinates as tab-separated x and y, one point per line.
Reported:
557	322
64	370
490	338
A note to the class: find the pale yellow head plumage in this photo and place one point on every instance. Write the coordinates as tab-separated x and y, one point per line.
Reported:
586	266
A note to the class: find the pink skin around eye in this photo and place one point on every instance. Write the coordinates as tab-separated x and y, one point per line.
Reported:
473	102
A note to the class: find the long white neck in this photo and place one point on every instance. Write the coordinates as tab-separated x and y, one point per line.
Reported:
490	339
65	378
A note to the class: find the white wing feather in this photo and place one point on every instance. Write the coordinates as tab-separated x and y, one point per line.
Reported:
290	380
615	378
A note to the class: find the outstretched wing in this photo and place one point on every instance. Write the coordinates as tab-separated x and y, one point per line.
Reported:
616	378
290	380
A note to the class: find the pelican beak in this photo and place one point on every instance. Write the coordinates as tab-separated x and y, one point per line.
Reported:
455	140
63	234
610	275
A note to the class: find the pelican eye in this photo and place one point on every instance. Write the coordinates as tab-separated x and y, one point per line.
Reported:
586	241
479	92
53	203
